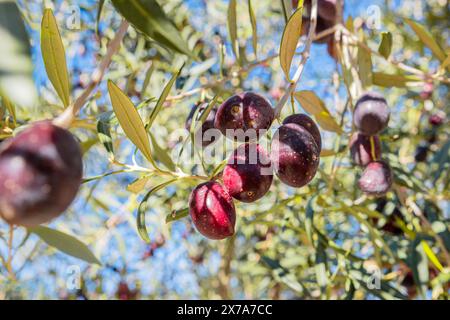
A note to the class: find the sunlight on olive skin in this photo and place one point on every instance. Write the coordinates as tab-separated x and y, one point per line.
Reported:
243	113
40	174
376	179
248	174
295	155
212	210
306	122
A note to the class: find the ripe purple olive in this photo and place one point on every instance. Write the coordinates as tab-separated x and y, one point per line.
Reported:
248	174
40	174
295	155
244	117
376	179
212	210
436	119
371	114
321	26
326	9
361	149
307	123
200	138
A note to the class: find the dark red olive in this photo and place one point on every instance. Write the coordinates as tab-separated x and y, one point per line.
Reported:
248	174
40	173
212	210
295	155
244	117
306	122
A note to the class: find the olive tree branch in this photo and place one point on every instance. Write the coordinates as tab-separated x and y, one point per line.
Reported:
10	253
66	118
305	55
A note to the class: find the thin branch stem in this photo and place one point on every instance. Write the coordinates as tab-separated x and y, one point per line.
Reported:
10	252
69	115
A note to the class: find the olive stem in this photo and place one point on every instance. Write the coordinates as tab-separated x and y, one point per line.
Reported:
305	55
66	118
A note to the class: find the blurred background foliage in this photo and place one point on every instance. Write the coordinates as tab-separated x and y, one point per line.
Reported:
326	240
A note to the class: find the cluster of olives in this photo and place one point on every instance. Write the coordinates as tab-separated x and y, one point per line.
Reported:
248	174
370	117
40	174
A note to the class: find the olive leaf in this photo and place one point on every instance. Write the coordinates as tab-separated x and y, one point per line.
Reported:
162	98
385	45
251	13
232	29
149	18
129	120
427	39
142	209
162	154
312	104
104	135
392	80
291	35
54	56
16	68
364	59
65	243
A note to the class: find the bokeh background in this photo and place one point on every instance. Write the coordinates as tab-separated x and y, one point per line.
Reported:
271	256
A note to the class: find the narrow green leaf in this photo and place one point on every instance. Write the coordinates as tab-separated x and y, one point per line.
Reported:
321	266
364	67
385	45
148	17
312	104
10	107
219	168
143	206
254	28
54	56
104	135
418	262
427	39
16	67
177	214
392	80
161	154
147	78
139	184
65	243
162	98
232	28
291	35
432	256
129	120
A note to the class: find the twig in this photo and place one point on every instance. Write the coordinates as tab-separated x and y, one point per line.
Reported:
305	55
10	249
68	116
